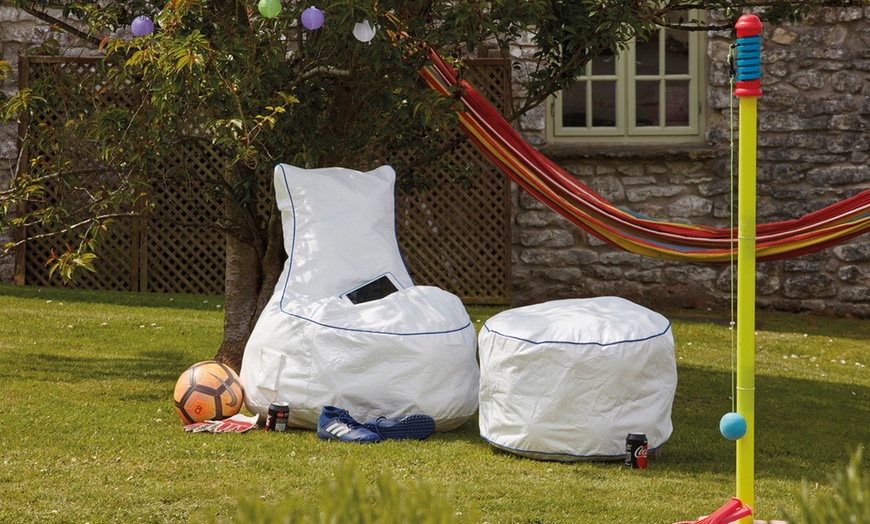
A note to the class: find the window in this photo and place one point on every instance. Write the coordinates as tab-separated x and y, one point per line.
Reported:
650	92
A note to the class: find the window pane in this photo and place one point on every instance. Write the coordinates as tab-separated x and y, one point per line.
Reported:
647	109
650	92
604	64
574	106
677	103
647	56
603	104
677	45
676	53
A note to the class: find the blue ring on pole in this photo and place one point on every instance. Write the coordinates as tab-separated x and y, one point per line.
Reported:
748	58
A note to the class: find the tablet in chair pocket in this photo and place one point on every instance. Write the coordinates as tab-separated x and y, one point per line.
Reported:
374	289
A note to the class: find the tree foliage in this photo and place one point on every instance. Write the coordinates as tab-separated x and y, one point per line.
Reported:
266	90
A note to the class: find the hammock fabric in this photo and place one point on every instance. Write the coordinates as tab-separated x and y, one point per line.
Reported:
550	184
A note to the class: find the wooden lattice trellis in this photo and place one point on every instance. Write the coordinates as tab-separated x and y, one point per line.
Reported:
455	236
183	255
84	174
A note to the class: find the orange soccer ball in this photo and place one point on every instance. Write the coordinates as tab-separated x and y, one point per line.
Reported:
208	391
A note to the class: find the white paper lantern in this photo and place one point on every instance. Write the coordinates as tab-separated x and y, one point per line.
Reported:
363	31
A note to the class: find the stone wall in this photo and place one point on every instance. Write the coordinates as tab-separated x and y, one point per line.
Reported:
19	32
813	150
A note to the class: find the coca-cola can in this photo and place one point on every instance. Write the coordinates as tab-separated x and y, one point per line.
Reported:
636	451
276	417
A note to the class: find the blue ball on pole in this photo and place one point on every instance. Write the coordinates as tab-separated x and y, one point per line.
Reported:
732	426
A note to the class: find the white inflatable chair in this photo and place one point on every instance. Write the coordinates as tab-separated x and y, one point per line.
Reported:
412	351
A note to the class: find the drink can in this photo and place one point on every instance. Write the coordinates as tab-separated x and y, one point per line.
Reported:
636	451
276	419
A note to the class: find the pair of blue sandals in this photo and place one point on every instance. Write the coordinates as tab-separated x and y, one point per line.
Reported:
337	424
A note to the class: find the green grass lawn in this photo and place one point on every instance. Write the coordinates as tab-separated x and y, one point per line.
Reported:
88	432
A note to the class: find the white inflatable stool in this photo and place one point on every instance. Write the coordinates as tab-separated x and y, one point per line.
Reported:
569	379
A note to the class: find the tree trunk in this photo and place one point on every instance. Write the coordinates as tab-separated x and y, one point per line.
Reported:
254	259
273	259
241	293
246	245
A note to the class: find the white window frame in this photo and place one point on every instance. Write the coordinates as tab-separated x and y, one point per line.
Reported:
625	79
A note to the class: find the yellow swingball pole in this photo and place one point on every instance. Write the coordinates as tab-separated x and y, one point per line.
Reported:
748	90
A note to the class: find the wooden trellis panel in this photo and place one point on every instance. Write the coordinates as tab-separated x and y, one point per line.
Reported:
169	248
182	254
83	175
455	236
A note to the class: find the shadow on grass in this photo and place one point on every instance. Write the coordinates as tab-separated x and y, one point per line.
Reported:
803	428
119	298
162	366
780	322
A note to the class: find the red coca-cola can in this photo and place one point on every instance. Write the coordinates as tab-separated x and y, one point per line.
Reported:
636	447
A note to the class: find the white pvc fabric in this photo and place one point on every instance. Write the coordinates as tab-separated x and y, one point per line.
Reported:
570	379
412	351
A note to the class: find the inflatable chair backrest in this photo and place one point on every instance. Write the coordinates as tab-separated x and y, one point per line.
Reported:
339	228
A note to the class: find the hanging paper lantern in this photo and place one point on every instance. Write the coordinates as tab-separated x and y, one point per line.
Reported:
269	8
363	31
312	18
142	25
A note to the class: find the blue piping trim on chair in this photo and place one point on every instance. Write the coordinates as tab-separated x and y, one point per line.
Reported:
575	343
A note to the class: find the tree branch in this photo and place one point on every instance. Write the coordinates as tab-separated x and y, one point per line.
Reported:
8	248
67	28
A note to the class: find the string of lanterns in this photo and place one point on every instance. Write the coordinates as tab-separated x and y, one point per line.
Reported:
311	18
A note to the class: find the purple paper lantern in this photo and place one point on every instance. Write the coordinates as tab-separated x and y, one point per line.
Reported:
312	18
142	25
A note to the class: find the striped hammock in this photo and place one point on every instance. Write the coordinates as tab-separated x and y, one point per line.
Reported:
550	184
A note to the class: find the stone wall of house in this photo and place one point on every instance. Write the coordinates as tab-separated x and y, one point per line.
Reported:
813	149
19	33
